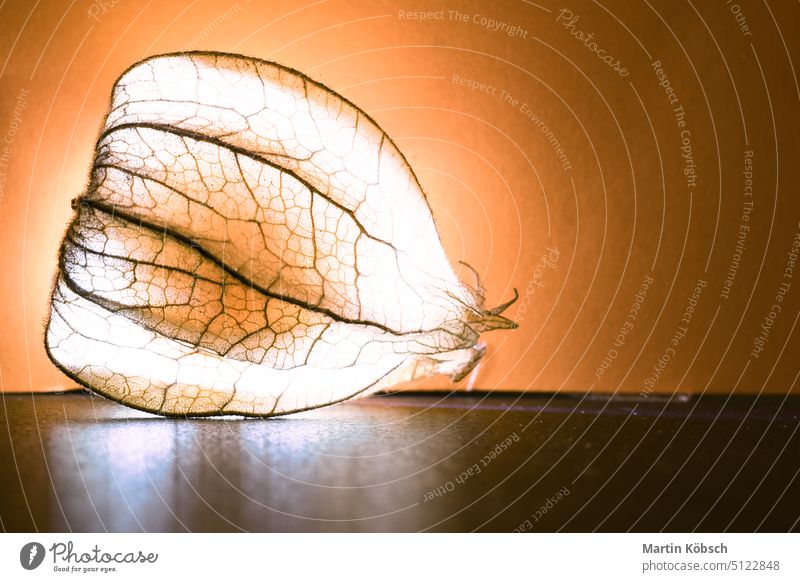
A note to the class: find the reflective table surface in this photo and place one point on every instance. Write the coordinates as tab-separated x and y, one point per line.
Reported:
406	462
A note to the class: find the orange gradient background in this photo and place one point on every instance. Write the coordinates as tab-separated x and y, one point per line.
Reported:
614	209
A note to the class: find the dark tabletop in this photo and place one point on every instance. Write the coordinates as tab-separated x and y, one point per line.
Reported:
72	462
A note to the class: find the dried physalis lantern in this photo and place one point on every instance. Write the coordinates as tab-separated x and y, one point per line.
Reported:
251	243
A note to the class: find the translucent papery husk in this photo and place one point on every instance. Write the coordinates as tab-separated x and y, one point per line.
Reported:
251	243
